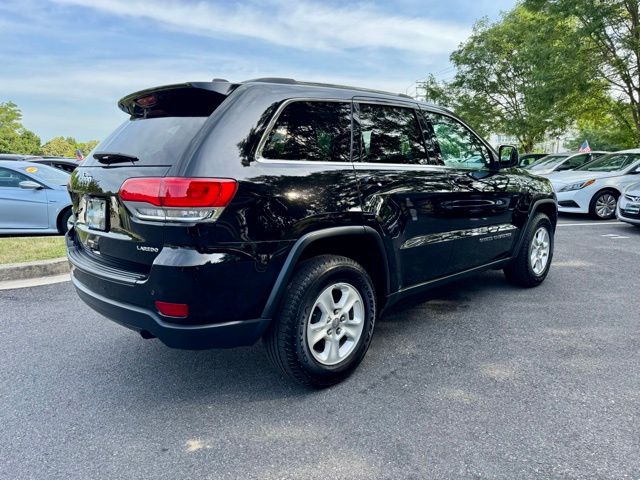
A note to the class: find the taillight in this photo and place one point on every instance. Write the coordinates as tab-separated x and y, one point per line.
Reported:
178	199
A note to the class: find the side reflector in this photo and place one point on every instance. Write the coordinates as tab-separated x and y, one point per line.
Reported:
180	310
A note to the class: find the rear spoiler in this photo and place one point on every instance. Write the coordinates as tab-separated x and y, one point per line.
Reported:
193	99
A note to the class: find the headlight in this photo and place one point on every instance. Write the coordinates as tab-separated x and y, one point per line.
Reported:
577	186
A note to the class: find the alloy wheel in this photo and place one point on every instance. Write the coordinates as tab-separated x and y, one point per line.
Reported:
335	324
539	250
605	205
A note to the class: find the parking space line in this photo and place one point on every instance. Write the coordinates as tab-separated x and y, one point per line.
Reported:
589	224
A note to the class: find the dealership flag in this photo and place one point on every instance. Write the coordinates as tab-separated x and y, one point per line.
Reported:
585	148
79	155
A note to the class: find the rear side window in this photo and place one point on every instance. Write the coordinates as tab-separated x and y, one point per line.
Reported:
390	134
154	141
310	130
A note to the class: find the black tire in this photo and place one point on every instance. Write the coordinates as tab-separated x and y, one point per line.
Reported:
286	339
62	221
520	272
592	205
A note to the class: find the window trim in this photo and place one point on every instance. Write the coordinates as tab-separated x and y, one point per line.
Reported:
265	135
426	111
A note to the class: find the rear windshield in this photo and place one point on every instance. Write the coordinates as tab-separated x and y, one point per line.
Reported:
154	141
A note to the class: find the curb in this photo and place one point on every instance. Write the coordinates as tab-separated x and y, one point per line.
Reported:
28	270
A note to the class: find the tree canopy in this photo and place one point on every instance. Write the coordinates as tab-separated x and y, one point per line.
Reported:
611	31
14	138
527	75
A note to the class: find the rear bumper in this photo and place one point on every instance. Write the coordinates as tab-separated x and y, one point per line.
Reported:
192	337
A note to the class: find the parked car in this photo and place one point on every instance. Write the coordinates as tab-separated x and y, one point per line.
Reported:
61	163
529	158
221	213
33	198
595	187
559	162
629	205
18	156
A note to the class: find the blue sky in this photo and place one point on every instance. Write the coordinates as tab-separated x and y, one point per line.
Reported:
66	62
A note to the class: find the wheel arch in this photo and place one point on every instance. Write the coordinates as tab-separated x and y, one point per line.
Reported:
61	214
360	243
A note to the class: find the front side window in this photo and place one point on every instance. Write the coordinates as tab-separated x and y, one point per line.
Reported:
313	131
459	147
575	162
390	134
550	161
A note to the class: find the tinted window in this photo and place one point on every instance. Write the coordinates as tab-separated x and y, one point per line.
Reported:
315	131
576	161
390	135
154	141
459	147
11	179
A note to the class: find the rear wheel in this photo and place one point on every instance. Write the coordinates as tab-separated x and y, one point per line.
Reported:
325	323
603	205
532	263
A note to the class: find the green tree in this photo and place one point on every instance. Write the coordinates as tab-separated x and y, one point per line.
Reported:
526	75
67	146
14	138
60	147
611	31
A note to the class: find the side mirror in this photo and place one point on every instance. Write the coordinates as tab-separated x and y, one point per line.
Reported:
30	185
508	156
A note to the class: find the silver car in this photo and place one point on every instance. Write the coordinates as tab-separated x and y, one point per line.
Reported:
629	205
33	198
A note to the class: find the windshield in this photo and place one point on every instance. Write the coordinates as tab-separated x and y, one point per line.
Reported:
611	163
549	159
154	141
45	174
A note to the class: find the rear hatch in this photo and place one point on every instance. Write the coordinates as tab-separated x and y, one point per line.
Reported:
162	129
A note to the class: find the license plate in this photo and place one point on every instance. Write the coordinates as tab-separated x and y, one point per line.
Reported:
633	208
96	215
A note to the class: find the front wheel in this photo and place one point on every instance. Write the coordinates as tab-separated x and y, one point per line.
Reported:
603	205
533	260
325	324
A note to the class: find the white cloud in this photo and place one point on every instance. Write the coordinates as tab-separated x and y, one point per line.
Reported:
298	24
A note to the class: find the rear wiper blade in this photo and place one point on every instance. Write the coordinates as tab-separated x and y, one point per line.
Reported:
109	158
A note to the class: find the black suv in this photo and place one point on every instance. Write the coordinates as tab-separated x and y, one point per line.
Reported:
220	213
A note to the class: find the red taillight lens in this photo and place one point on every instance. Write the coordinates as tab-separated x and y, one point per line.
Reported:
172	309
179	192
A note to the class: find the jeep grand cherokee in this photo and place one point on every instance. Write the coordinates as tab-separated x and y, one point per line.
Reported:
220	213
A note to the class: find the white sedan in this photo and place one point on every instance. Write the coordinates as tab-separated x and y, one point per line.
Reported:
629	205
596	186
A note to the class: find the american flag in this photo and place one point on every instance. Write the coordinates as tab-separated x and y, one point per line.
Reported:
79	155
584	148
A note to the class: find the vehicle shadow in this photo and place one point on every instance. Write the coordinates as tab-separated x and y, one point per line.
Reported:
151	373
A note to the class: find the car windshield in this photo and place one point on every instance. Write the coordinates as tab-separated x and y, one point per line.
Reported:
45	173
549	161
541	163
611	163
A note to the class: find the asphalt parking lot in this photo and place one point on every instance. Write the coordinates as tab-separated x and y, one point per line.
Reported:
475	380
